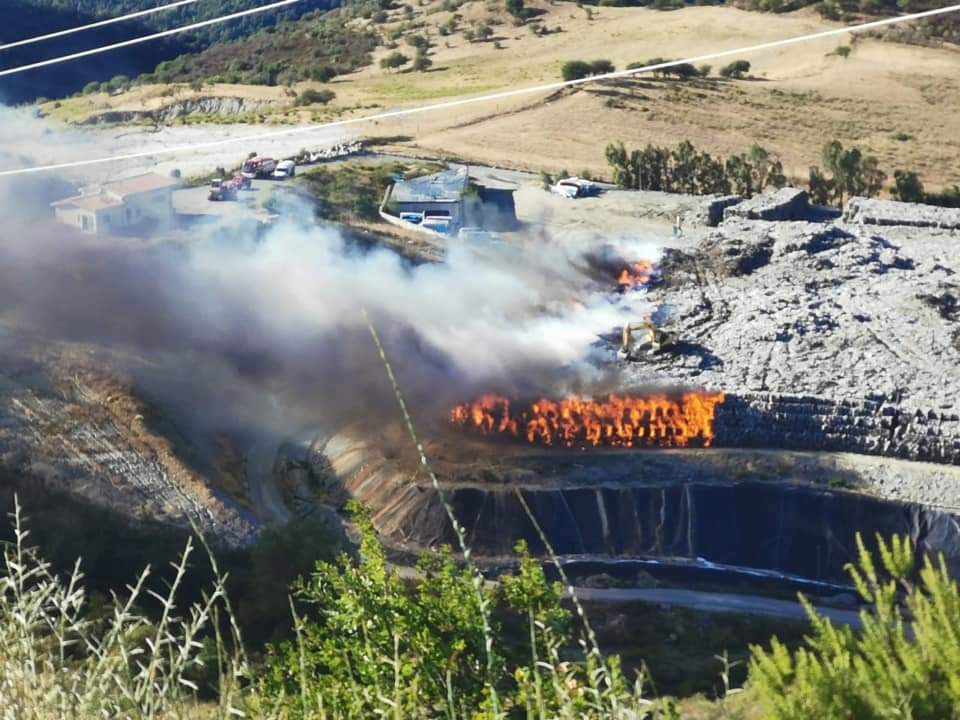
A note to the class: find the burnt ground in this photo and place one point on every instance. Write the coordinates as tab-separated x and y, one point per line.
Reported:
69	421
824	336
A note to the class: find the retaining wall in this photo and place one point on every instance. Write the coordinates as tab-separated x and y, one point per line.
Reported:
876	426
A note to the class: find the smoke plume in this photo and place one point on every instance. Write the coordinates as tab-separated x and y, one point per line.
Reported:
268	331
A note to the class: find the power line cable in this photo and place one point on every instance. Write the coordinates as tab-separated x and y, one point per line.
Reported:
446	105
98	24
146	38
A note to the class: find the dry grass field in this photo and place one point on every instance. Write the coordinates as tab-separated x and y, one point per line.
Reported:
896	101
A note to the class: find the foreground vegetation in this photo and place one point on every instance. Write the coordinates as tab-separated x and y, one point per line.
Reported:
368	643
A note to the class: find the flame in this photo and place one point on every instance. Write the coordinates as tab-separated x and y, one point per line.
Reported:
654	421
636	275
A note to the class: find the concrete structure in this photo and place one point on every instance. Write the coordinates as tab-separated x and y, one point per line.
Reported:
784	204
120	205
867	211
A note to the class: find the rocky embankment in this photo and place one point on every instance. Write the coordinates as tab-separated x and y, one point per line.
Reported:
774	511
231	108
68	424
828	334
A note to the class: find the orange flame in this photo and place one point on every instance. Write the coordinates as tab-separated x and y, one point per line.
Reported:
636	275
655	421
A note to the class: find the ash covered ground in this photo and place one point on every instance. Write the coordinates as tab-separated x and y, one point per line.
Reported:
842	334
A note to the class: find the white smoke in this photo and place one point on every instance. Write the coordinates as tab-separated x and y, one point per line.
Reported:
280	317
530	303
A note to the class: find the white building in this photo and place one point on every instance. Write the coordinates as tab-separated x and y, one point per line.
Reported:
119	205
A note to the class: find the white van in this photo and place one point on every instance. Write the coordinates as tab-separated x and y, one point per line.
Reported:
285	169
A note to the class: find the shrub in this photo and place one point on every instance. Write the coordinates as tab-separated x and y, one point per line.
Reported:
422	62
736	70
394	60
315	97
575	70
907	187
647	63
64	659
373	646
322	73
119	82
419	42
483	32
601	67
904	662
704	70
579	69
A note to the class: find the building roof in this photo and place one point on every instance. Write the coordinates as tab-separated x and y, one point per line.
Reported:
100	201
140	184
112	194
446	186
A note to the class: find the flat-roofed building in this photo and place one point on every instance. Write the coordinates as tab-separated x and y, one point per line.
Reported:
432	201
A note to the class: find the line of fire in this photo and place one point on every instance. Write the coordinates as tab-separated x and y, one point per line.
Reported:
656	420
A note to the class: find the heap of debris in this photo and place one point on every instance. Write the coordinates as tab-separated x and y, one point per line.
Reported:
831	335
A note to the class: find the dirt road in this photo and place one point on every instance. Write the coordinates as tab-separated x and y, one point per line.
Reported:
717	603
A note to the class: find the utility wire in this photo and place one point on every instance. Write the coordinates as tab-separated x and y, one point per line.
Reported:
486	98
98	24
145	38
476	580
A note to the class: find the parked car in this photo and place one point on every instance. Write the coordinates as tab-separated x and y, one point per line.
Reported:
285	169
574	187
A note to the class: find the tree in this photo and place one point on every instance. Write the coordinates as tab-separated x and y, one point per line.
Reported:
620	162
648	63
422	63
683	71
419	42
736	70
322	73
575	70
907	187
601	67
579	69
683	167
517	10
820	187
904	663
852	172
394	60
119	82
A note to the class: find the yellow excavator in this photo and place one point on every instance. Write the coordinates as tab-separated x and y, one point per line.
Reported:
644	338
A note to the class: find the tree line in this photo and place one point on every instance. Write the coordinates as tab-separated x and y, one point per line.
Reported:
580	69
844	173
685	169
